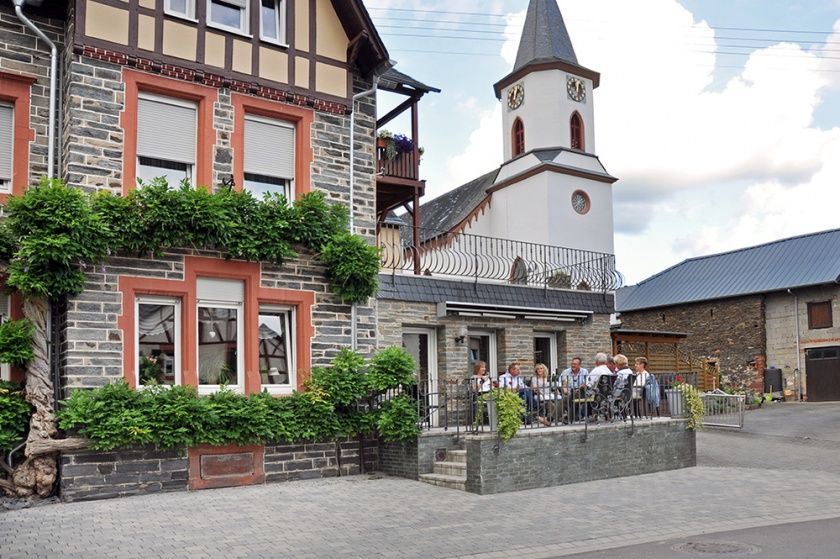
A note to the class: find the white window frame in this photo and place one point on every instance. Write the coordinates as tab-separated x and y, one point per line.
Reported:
240	343
552	341
245	11
290	182
154	300
189	14
291	349
492	359
178	103
279	20
6	184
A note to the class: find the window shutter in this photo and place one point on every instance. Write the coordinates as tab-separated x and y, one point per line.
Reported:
6	141
166	130
269	148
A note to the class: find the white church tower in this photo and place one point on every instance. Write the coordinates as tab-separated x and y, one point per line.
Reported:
551	188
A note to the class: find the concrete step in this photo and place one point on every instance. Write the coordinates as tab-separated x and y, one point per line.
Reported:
451	469
441	480
456	456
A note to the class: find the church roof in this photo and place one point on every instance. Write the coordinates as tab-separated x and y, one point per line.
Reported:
544	36
448	210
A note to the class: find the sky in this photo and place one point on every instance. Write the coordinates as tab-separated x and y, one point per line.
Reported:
721	118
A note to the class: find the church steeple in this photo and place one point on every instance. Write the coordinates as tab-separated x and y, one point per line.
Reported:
544	36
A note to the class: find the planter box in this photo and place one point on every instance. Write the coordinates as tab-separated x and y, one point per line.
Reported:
675	402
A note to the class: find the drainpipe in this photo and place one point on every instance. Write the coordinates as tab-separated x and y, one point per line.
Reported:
797	380
376	74
53	79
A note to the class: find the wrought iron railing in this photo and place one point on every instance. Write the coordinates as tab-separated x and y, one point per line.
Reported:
464	255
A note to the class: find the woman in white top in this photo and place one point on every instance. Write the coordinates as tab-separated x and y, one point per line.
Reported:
480	379
621	374
542	389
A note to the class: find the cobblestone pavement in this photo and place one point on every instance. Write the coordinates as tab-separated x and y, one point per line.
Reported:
390	517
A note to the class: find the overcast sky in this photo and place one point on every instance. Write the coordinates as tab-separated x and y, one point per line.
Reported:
721	118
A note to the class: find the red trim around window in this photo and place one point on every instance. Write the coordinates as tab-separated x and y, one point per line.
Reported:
576	132
518	137
300	117
203	96
185	290
16	89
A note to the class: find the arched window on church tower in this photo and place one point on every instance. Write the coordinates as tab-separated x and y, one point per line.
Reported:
518	137
576	128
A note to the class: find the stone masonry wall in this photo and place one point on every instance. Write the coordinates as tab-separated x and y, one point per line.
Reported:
410	459
549	457
92	474
731	329
515	339
781	330
21	52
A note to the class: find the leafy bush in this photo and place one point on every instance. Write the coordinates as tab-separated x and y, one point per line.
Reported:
509	409
53	230
693	405
338	402
16	342
390	368
352	267
14	415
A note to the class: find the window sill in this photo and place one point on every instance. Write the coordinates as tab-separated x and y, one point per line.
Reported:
180	16
274	42
233	30
207	389
278	389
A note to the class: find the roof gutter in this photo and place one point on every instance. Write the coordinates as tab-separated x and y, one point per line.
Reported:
53	79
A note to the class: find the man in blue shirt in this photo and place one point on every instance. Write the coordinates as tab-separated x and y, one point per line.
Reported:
572	383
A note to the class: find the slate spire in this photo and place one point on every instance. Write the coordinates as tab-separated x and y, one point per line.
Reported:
544	36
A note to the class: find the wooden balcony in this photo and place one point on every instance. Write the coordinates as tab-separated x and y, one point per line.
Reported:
403	166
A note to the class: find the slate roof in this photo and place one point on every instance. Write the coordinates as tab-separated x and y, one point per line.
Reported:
447	210
802	261
392	79
422	289
544	36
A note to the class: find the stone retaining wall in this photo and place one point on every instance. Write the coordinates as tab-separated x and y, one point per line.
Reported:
559	456
411	459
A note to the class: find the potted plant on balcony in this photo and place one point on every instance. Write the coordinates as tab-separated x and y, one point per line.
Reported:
395	144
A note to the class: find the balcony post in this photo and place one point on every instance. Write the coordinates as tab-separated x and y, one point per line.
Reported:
415	230
415	136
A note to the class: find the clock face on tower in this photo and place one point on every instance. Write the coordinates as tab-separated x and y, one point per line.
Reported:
576	89
516	95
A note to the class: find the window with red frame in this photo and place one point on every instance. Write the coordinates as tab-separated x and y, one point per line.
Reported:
576	126
518	137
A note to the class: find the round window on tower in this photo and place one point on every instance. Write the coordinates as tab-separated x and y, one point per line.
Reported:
580	202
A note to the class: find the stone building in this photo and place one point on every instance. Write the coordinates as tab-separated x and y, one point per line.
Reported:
257	94
777	303
517	264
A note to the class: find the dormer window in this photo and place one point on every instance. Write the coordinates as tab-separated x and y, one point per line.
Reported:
518	137
183	8
272	21
231	15
576	131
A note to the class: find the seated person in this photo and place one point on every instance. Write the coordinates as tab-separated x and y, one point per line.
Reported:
545	395
601	369
480	381
622	373
512	380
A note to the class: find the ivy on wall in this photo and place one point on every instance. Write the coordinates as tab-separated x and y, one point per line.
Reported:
52	230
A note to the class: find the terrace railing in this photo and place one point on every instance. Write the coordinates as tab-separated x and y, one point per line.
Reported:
430	252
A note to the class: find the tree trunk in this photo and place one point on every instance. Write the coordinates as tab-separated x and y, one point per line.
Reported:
38	472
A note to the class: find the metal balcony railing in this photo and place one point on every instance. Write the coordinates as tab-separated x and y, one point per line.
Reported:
405	249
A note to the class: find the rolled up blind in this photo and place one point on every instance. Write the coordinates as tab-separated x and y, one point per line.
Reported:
269	148
7	114
166	130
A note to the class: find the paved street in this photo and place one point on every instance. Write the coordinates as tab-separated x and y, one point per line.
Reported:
737	486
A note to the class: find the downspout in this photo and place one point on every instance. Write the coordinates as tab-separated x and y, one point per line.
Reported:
53	80
797	379
378	72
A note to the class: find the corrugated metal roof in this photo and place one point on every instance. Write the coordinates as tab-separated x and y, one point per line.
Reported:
802	261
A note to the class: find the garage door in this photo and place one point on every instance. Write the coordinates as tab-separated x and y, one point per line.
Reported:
822	370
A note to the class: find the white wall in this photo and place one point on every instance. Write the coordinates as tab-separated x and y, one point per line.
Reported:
546	112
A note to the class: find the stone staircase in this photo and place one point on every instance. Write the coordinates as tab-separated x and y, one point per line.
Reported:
451	472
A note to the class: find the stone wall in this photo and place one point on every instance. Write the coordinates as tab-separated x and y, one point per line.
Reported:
92	474
410	459
732	330
515	338
292	462
781	318
21	52
559	456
